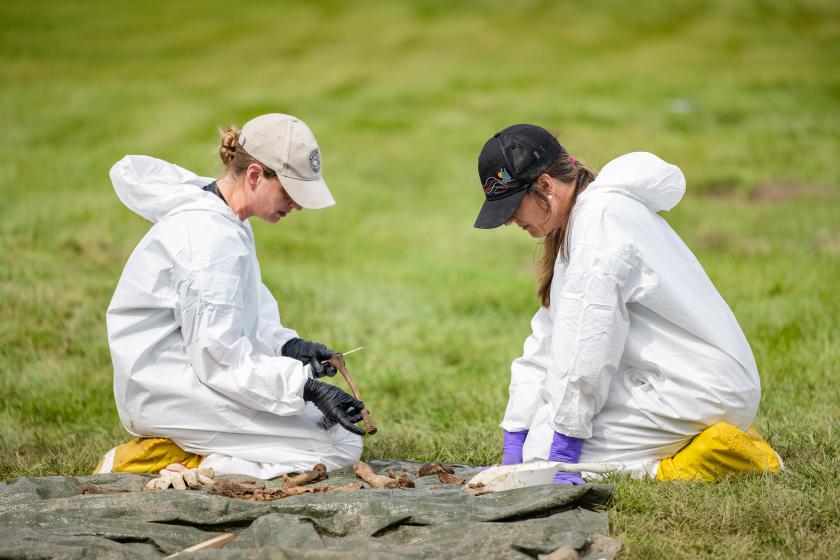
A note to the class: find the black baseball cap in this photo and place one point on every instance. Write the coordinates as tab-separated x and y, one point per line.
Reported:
509	162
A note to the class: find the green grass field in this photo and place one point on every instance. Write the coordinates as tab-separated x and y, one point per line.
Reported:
744	96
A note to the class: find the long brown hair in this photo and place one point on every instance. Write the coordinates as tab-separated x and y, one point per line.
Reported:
568	169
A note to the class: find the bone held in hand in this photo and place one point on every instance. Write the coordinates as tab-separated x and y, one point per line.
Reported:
337	360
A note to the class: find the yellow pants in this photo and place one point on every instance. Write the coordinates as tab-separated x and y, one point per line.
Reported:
719	451
146	456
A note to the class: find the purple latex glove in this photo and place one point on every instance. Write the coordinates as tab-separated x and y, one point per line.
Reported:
512	447
566	449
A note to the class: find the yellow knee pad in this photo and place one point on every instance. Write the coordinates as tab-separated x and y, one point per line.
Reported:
146	455
719	451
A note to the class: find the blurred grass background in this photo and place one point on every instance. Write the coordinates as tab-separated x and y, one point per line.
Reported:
744	96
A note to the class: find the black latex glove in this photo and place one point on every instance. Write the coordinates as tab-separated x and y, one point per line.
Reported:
311	354
335	404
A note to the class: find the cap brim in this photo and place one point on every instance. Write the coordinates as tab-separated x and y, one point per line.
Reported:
312	195
496	212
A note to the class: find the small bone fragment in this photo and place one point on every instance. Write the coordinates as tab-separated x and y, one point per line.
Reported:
238	491
295	490
402	478
318	473
379	481
435	468
446	474
404	481
449	478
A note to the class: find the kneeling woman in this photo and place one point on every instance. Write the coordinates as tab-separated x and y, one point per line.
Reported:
200	355
633	352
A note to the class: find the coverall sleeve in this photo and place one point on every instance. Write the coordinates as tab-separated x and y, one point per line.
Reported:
223	357
271	328
590	321
527	375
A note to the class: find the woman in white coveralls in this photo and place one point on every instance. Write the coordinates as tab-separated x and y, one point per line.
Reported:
633	352
200	355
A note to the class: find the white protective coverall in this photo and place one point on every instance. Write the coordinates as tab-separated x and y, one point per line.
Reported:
637	352
195	336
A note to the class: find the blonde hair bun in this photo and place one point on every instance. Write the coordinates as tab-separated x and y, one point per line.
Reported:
227	150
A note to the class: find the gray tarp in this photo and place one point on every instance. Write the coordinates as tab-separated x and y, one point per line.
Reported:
49	517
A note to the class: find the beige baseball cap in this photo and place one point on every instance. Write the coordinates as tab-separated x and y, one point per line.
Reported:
285	144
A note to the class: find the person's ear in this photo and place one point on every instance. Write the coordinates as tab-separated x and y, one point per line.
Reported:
252	175
543	182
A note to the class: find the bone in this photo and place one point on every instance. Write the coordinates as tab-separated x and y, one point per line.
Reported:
338	362
233	490
445	473
449	478
294	491
434	468
317	474
379	481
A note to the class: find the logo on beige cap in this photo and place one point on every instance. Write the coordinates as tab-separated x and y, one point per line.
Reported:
315	161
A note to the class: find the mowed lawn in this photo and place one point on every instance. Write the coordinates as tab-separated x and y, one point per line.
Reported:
745	97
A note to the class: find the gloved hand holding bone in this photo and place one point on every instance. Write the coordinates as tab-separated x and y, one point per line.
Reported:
336	405
180	477
313	354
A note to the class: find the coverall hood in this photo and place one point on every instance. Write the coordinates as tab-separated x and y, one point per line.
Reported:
644	177
155	189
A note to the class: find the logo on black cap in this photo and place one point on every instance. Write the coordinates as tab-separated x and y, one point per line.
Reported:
497	186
